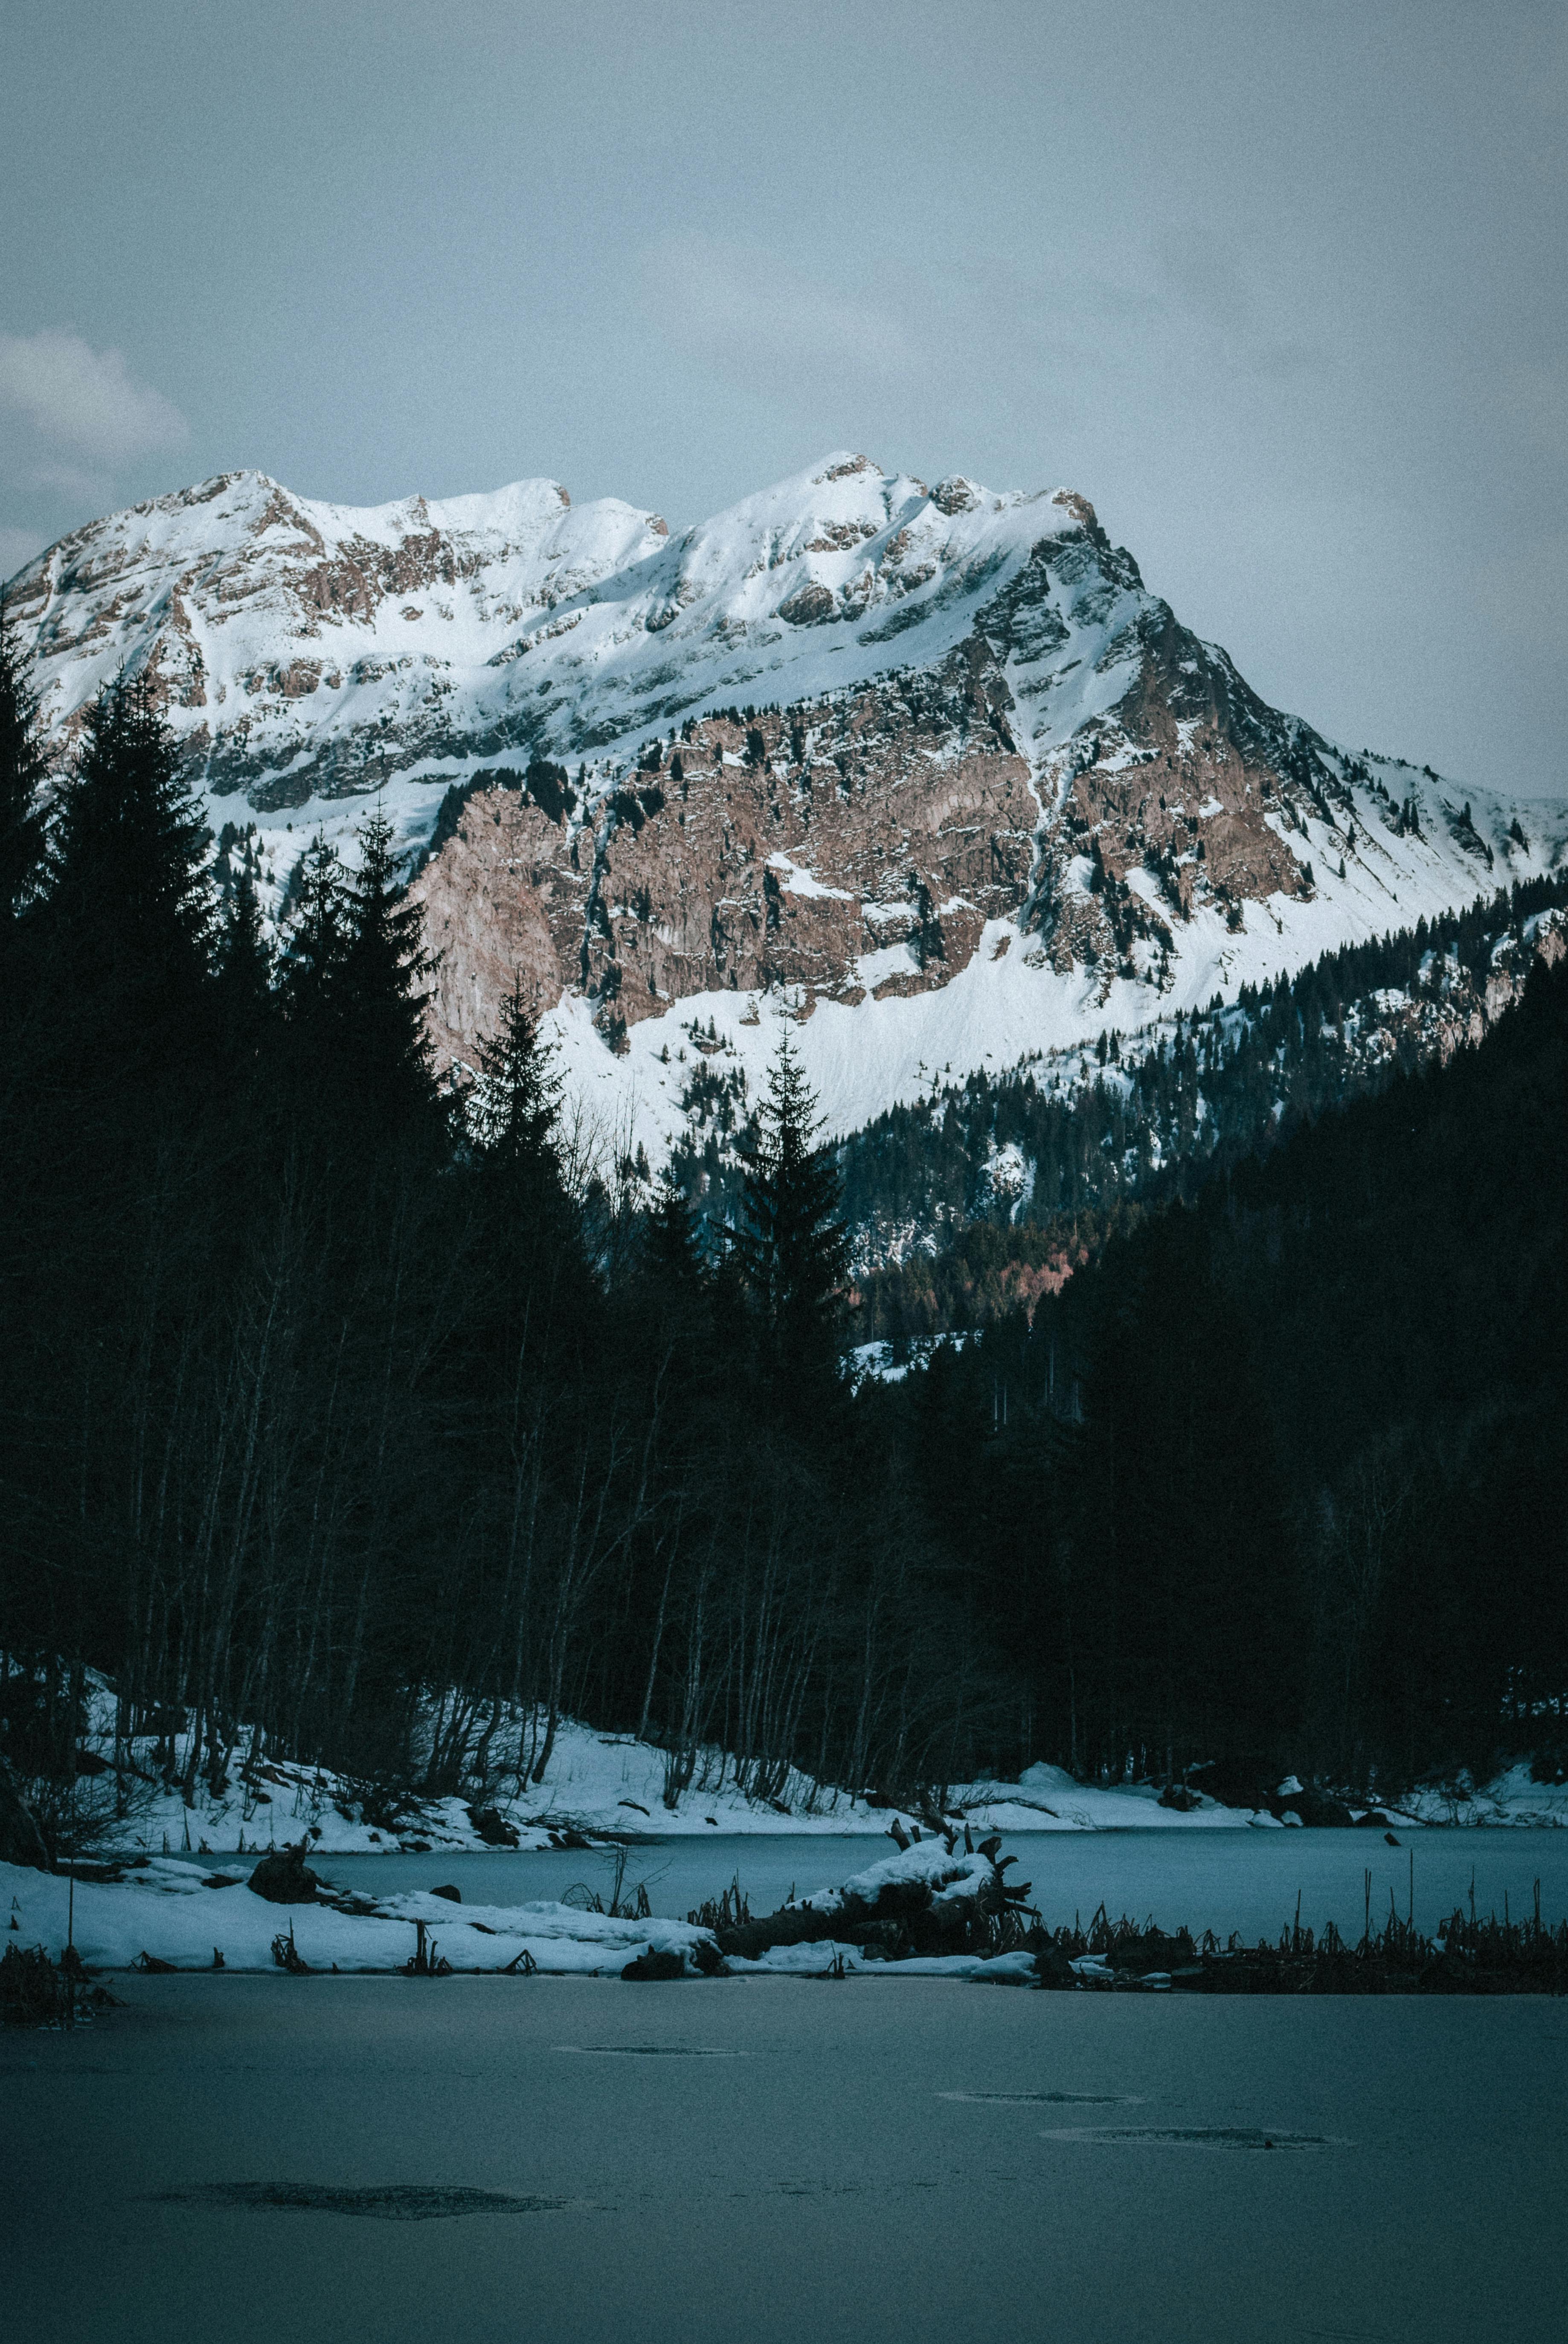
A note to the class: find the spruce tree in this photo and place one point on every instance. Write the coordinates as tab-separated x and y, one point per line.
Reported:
536	1275
793	1245
515	1107
22	772
381	996
129	917
318	942
672	1250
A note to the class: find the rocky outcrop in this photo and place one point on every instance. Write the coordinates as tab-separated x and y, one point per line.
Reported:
857	844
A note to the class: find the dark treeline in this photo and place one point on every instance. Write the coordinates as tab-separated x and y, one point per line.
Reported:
333	1400
354	1408
1282	1477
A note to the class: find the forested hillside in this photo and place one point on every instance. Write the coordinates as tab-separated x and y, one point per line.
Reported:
1284	1475
326	1388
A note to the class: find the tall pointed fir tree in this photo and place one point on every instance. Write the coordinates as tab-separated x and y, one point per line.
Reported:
128	918
23	770
793	1244
672	1250
318	936
381	990
514	1110
537	1287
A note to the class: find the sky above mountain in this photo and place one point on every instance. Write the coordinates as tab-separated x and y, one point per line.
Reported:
1282	291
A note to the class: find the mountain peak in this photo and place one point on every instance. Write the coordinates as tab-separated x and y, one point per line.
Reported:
842	465
926	767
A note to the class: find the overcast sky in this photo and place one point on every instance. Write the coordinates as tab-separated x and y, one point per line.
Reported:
1281	287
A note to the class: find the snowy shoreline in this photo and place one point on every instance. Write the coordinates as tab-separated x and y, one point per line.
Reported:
195	1915
601	1787
172	1915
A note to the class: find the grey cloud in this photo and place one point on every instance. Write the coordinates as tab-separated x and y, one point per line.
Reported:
84	401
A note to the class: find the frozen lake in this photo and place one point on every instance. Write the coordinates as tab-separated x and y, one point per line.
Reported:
1245	1880
265	2161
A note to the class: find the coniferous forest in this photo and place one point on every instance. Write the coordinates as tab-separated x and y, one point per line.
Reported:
333	1393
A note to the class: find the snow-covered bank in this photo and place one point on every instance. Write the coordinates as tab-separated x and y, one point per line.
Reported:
1047	1798
612	1786
601	1786
1513	1797
598	1786
170	1910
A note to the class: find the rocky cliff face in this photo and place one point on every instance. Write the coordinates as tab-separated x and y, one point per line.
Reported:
849	847
839	747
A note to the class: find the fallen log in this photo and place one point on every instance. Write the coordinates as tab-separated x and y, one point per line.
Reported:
926	1899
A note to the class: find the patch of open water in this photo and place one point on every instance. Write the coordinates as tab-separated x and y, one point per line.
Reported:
1232	1880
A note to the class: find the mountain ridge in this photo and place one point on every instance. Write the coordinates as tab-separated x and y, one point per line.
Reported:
927	772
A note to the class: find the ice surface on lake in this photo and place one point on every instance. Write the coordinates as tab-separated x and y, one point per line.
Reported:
200	2166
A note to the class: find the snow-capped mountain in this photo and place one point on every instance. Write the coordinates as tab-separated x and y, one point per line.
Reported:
927	770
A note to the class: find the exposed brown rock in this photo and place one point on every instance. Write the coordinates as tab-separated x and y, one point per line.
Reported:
502	902
897	818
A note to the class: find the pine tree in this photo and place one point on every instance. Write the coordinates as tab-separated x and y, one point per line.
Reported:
129	916
793	1246
22	772
516	1103
531	1248
319	940
382	996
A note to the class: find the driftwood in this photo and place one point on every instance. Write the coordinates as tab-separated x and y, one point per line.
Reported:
284	1878
654	1967
702	1959
906	1917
